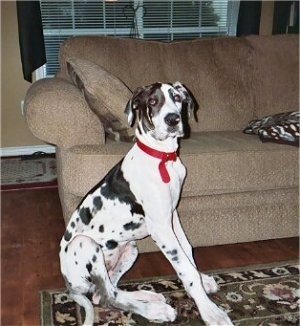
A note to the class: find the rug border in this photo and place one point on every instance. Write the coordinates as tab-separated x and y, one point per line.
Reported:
46	292
31	186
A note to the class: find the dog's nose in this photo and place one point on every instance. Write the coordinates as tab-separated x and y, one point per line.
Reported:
172	119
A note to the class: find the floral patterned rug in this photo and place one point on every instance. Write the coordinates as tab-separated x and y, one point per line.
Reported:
266	295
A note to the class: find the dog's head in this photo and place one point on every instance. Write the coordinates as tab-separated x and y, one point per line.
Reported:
158	109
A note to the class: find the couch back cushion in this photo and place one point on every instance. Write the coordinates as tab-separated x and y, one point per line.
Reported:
220	72
276	66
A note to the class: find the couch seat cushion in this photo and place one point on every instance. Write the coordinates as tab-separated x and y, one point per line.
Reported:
256	165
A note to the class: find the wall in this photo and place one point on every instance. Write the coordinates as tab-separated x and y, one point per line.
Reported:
14	131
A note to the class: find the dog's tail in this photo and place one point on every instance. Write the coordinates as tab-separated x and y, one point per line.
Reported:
83	301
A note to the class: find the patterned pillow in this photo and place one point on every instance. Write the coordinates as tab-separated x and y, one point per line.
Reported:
282	128
106	95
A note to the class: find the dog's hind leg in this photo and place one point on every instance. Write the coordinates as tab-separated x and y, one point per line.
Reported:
85	272
139	302
125	260
82	262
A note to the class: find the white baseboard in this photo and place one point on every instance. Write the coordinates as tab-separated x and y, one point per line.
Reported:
26	150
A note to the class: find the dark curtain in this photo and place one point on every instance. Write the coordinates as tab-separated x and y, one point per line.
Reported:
31	38
249	18
281	16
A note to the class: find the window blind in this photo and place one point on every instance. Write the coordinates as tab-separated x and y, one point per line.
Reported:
156	20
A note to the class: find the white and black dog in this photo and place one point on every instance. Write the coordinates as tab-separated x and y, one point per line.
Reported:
137	198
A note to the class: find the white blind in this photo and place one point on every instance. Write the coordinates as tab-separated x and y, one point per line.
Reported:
156	20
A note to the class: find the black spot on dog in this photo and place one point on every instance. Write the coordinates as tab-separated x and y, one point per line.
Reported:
101	228
89	267
80	244
66	249
73	225
115	186
85	215
137	209
191	284
172	253
67	235
98	203
139	130
76	262
131	226
97	249
175	258
111	244
94	259
75	253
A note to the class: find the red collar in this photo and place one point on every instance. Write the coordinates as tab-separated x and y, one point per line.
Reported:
163	156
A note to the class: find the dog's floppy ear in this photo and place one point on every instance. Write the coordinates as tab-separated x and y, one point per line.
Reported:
129	112
138	102
132	105
186	96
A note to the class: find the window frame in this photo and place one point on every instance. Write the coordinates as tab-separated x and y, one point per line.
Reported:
201	31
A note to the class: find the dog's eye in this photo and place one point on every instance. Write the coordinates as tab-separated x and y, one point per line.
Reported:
152	101
177	98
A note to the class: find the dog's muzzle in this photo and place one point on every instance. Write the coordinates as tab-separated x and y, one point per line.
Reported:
172	119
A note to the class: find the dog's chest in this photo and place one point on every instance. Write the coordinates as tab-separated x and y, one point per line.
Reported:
146	181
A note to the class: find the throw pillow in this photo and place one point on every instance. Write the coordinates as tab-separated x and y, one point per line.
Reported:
282	128
106	95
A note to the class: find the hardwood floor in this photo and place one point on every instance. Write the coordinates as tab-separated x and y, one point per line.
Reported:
32	226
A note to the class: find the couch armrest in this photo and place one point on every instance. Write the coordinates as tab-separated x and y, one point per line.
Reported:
57	113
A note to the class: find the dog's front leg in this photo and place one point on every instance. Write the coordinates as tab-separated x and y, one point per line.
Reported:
181	236
162	233
208	282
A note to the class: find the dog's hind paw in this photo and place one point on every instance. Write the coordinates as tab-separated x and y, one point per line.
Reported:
96	298
149	296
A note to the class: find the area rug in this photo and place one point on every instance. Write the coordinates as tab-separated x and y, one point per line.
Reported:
256	295
28	173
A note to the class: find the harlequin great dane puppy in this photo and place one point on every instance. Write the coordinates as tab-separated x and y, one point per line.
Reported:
137	198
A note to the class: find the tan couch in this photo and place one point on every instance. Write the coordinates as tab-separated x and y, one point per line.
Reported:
237	188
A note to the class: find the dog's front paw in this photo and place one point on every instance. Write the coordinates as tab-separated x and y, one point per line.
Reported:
209	284
213	315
